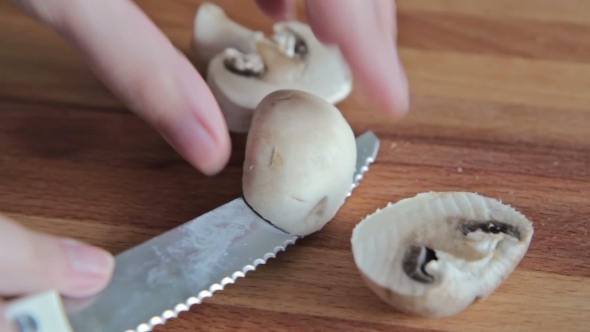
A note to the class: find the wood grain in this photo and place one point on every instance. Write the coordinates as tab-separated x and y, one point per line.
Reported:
500	106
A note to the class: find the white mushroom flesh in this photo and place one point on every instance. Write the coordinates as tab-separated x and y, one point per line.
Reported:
287	43
300	161
436	254
292	58
214	32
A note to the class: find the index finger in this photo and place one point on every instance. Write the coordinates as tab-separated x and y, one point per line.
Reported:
139	64
366	33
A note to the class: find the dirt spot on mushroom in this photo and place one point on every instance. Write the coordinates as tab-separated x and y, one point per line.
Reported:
319	209
275	159
297	199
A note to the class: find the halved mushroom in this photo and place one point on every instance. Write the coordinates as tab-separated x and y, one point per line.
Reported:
214	32
244	66
300	161
436	254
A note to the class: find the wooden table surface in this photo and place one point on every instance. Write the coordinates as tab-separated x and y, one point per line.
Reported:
500	106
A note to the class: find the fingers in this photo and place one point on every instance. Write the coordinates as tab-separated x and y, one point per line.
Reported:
142	67
366	33
33	262
278	10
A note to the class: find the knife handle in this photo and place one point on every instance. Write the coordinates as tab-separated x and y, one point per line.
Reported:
41	312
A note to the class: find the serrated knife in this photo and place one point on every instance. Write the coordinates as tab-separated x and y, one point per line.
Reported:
156	280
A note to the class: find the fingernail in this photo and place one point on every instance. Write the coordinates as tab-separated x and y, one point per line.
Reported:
88	260
194	142
198	132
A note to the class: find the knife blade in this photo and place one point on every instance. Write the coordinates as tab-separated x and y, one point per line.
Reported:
156	280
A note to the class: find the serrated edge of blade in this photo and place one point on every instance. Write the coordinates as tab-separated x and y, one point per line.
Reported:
367	162
198	299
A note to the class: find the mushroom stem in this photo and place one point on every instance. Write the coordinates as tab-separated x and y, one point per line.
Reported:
491	226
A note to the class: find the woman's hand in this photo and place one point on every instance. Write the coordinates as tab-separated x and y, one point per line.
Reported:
140	65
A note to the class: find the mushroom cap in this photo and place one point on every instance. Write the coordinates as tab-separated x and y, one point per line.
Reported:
436	254
300	161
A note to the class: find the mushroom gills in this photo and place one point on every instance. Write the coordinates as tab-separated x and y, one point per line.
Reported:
290	42
285	43
489	226
244	64
433	254
415	261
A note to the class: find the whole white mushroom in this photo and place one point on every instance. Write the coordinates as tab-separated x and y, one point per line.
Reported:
300	161
244	66
436	254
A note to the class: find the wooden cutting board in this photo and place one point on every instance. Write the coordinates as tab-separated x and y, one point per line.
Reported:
500	106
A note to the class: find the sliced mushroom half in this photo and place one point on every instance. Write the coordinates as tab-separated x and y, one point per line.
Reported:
244	65
214	32
300	161
436	254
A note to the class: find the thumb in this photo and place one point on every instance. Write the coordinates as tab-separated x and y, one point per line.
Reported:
32	262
